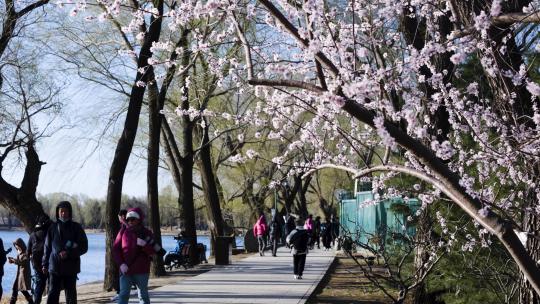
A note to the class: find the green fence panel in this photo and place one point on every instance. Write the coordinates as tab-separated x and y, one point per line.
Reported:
370	222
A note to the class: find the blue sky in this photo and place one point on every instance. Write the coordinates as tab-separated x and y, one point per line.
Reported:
75	161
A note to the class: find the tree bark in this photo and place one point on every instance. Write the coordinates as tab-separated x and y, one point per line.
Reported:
210	190
157	268
22	202
123	151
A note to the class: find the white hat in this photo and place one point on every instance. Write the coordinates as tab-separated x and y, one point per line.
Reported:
132	214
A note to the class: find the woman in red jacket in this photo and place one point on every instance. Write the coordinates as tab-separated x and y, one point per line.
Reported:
259	230
133	252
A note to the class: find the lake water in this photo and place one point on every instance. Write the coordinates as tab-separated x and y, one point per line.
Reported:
92	263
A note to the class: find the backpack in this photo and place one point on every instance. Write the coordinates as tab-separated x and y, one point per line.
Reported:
324	229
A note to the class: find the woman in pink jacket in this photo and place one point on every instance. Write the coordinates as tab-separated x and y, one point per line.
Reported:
259	230
133	252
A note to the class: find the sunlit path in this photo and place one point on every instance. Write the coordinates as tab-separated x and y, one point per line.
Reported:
254	279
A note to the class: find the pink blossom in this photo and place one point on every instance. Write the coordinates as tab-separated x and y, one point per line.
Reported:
484	212
533	88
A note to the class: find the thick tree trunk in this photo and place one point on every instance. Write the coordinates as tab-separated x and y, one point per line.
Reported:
154	121
123	151
22	202
210	190
527	295
186	179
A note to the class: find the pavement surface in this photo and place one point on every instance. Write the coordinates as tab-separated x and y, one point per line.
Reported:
255	279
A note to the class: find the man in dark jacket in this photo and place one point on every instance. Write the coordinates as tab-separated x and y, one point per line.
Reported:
298	239
35	252
64	244
289	226
275	233
316	233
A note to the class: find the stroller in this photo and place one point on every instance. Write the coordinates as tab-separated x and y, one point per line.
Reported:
179	257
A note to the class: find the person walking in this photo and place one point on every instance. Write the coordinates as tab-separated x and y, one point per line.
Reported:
35	251
289	227
308	225
298	239
259	231
335	229
65	243
316	233
22	279
3	260
275	233
133	254
326	234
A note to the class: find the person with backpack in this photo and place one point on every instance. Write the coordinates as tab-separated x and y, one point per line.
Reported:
22	280
35	251
298	239
259	231
65	243
275	233
3	260
326	234
133	254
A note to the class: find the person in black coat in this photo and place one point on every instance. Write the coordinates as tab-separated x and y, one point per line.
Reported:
275	233
35	250
64	244
289	226
326	234
316	233
298	239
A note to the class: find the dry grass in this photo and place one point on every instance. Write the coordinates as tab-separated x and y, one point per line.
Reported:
345	283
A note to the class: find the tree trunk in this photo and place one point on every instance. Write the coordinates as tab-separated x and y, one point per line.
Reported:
186	178
211	195
123	151
154	121
531	224
527	294
22	202
421	256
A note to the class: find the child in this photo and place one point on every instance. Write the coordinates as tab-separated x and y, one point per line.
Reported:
22	280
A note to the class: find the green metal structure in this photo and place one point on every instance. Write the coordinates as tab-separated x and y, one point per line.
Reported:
366	220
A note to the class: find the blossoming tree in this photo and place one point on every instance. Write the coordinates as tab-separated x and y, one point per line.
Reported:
386	77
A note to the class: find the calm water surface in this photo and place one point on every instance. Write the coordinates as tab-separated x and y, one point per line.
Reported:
92	263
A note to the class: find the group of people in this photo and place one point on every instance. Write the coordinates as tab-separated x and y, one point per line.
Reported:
299	235
54	251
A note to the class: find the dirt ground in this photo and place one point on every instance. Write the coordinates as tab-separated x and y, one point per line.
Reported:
344	283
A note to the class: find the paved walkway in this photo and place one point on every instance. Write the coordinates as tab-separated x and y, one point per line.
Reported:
255	279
